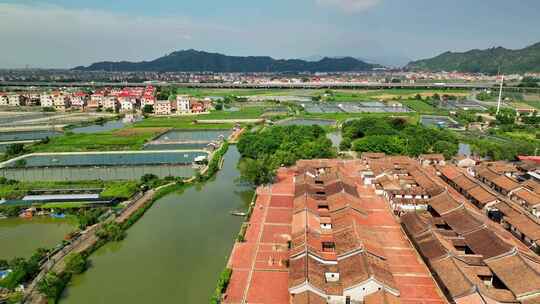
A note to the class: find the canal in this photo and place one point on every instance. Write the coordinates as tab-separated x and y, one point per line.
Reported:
177	250
21	237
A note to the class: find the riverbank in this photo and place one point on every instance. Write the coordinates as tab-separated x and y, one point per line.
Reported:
181	244
91	241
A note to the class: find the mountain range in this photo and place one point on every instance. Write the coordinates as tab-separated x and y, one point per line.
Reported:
489	61
200	61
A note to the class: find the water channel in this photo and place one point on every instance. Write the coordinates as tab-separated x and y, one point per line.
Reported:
21	237
175	253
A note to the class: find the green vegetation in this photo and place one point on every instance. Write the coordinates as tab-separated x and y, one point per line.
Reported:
52	285
187	122
397	136
23	270
63	205
121	190
89	217
124	139
489	61
222	284
419	106
76	263
277	146
111	232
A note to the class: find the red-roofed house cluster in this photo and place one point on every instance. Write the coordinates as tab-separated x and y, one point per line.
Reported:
319	235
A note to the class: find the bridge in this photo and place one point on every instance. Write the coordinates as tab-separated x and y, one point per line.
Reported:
331	85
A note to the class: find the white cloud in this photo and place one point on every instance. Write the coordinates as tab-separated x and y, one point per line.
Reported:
54	36
350	6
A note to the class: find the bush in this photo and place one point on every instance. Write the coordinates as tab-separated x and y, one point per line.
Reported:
52	285
111	232
222	284
76	263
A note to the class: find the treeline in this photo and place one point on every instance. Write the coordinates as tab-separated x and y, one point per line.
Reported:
277	146
397	136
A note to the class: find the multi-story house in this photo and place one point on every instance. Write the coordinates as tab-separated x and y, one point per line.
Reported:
46	100
110	102
183	104
4	100
16	100
61	102
163	107
79	100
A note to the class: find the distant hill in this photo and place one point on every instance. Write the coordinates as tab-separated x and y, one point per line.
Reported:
484	61
199	61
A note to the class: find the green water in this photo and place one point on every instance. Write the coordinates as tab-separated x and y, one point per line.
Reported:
21	237
175	253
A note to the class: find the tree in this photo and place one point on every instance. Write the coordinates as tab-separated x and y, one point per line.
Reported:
148	109
51	285
448	149
15	149
75	263
506	116
380	143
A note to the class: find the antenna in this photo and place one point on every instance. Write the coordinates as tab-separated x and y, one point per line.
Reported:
500	96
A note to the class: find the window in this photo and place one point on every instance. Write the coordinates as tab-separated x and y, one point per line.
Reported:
328	246
319	182
323	207
320	192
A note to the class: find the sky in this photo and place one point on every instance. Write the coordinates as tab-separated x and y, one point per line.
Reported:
68	33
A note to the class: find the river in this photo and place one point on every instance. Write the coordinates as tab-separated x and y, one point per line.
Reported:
21	237
175	253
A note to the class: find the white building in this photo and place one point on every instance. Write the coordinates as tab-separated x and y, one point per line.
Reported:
4	100
61	102
126	105
110	102
15	100
163	107
46	100
183	104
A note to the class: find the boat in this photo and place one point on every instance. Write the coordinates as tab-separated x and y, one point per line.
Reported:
238	213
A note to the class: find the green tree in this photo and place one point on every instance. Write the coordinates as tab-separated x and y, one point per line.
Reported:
51	285
506	116
148	109
75	263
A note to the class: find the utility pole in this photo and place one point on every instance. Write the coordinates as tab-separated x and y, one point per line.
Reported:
500	96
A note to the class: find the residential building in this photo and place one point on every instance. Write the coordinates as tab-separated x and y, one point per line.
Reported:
79	100
16	100
470	258
183	104
46	100
163	107
61	101
110	102
4	99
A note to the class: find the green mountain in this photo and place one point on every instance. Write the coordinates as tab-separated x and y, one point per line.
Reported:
199	61
484	61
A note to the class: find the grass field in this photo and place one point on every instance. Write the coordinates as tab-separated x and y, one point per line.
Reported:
21	188
124	139
64	205
340	117
363	95
123	190
419	106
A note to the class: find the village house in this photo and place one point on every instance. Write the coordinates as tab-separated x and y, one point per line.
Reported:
163	107
16	100
46	100
432	159
79	100
96	100
183	104
61	102
110	103
4	99
470	259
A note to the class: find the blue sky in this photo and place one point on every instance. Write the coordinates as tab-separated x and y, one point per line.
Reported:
66	33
